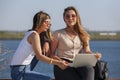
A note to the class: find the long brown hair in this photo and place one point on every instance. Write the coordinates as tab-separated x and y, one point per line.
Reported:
79	29
39	19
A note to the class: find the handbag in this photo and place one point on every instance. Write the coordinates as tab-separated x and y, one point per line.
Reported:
101	70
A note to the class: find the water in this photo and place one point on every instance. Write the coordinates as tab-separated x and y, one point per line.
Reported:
110	52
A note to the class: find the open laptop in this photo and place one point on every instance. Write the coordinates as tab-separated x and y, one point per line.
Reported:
83	60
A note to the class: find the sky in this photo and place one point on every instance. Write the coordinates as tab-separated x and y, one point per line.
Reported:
96	15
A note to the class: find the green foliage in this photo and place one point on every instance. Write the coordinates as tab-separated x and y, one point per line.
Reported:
11	35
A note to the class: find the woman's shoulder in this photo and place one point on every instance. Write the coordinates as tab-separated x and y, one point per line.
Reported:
33	33
58	33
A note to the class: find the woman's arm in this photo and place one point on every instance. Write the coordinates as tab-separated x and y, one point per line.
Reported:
48	52
46	49
35	42
53	46
87	50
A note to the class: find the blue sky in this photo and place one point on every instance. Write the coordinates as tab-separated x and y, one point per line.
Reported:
98	15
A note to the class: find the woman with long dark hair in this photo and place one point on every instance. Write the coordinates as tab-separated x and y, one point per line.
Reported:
30	47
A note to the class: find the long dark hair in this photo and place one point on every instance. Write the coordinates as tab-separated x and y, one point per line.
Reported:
38	20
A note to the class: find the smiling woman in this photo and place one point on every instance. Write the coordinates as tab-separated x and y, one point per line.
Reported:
29	47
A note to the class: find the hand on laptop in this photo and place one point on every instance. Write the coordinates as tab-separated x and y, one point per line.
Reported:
98	55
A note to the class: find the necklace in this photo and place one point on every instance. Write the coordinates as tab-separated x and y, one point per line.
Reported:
70	31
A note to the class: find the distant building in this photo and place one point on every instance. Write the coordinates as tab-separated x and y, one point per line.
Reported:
108	33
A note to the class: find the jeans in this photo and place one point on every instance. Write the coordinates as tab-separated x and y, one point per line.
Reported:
21	72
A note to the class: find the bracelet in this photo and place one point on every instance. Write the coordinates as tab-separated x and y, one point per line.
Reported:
51	60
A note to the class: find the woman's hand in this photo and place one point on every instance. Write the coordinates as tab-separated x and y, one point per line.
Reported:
56	57
63	64
98	55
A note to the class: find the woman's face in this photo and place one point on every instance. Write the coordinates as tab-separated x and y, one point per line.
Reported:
46	25
70	18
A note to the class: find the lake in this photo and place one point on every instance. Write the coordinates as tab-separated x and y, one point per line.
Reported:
110	52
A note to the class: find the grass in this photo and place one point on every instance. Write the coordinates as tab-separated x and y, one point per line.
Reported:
11	35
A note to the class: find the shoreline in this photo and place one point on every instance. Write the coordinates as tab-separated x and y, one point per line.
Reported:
94	35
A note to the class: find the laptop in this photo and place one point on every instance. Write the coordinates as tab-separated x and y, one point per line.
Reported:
83	59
